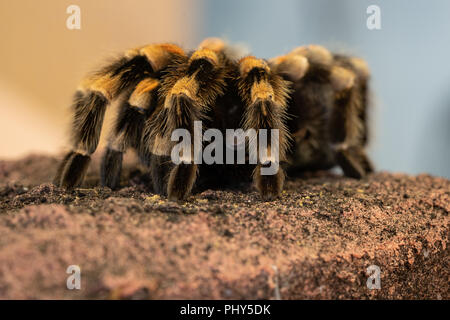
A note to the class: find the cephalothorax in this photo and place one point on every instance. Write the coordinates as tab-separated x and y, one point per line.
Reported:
315	100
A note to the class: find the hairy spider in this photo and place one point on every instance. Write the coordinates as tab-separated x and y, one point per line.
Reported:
329	102
316	100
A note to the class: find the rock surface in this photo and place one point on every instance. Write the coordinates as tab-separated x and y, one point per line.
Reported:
317	241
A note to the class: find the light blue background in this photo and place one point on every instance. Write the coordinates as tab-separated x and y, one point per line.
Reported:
409	58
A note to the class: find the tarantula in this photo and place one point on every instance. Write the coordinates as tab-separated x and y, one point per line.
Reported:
317	100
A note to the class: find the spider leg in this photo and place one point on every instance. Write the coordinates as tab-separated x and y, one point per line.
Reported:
128	128
354	162
96	92
62	165
265	94
188	91
89	111
348	122
338	83
174	180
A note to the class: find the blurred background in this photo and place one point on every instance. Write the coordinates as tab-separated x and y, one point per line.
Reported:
41	61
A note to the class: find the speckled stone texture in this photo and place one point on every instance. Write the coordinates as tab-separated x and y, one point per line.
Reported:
316	242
